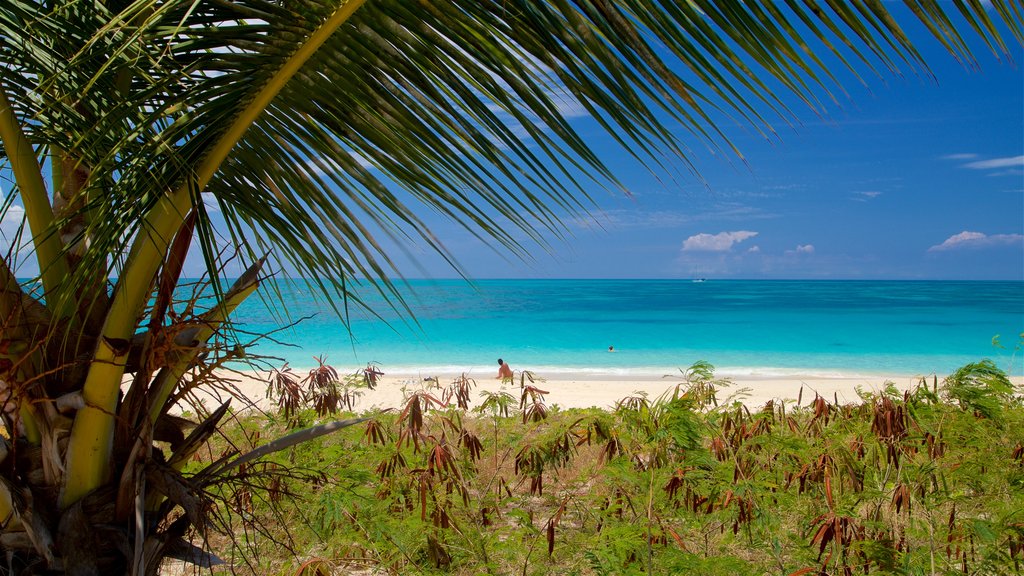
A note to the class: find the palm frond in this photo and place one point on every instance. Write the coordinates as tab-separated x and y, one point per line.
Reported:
454	108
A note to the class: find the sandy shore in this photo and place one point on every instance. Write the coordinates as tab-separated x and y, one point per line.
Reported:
569	390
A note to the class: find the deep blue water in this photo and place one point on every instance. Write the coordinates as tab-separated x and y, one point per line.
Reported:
657	326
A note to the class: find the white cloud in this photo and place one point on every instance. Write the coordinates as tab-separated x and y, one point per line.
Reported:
801	249
866	195
619	219
1007	162
10	221
994	167
968	239
721	242
754	249
210	202
1010	172
568	105
13	214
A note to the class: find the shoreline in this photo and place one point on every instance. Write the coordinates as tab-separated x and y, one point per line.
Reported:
650	374
585	391
626	372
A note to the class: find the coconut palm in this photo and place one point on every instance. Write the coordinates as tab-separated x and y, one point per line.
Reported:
314	130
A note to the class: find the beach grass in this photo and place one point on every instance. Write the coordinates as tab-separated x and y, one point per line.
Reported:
929	479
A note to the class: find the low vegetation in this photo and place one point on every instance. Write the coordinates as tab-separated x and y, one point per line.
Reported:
925	481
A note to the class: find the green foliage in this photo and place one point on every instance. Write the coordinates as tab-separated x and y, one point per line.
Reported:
907	483
981	387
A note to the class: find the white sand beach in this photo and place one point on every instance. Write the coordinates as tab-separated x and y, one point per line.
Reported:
568	390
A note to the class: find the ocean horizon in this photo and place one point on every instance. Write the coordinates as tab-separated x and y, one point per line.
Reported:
745	328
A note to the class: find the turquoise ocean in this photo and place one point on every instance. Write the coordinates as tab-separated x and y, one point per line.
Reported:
743	327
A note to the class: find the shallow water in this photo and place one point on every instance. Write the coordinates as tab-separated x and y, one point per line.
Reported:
743	327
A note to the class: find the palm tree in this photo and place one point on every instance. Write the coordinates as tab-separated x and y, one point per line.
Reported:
316	128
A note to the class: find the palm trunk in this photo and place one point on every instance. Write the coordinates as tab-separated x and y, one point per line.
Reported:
89	449
27	173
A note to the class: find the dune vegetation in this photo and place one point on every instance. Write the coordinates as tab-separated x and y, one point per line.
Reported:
923	481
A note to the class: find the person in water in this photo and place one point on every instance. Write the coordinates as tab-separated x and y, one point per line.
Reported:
504	371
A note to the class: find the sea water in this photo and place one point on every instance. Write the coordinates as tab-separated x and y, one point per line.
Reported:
743	327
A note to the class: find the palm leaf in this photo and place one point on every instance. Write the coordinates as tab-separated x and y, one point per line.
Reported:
453	109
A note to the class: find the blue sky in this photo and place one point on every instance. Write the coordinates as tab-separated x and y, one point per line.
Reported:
908	178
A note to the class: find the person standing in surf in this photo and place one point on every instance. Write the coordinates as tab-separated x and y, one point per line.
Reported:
504	371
